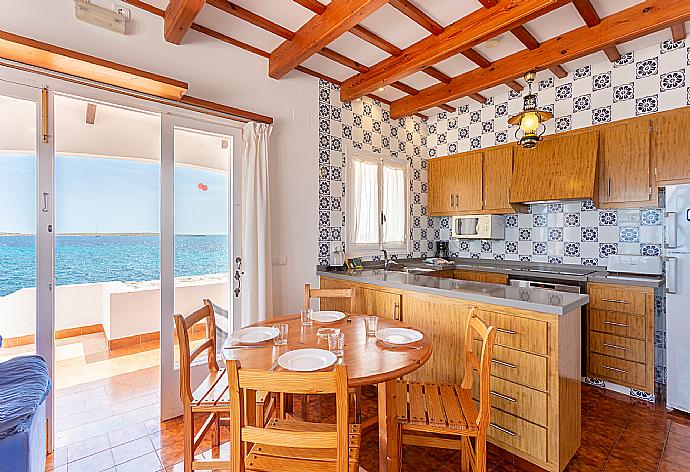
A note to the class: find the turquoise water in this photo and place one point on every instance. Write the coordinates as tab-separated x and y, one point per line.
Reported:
107	258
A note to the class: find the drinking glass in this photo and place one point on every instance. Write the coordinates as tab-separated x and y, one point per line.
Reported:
372	324
282	338
336	342
307	316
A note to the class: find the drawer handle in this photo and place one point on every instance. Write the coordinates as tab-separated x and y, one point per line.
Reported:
612	323
615	370
505	397
507	364
507	331
613	300
615	347
501	428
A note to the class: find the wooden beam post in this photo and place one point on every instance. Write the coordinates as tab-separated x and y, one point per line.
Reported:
179	16
678	31
315	34
626	25
464	34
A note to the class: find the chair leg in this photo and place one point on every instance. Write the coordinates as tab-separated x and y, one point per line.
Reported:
304	400
356	394
465	454
480	453
188	428
216	430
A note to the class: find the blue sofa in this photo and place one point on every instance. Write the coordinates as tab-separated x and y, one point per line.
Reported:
24	386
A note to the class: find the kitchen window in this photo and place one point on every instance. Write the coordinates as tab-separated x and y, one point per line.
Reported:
377	206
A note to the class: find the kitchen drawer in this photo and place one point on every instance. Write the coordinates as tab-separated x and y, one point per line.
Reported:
521	333
523	402
520	434
631	326
619	370
616	299
448	274
617	346
518	366
484	277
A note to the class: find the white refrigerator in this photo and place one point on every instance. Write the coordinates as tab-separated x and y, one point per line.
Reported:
677	253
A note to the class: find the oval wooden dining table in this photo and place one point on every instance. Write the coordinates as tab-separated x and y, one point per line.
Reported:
368	363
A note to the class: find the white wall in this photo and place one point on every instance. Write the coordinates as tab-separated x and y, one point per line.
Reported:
220	72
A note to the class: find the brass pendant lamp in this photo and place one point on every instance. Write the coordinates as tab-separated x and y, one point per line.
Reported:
530	120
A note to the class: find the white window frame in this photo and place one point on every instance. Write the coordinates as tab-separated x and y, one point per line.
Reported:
373	249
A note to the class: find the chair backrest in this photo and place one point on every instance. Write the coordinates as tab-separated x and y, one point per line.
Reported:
310	293
183	325
480	363
243	384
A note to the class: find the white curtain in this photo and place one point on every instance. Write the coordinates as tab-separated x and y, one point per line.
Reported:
394	204
257	301
365	202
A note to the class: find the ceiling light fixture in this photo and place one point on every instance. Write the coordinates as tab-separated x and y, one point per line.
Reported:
531	119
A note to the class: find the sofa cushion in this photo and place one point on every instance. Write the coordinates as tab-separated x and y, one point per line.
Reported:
24	385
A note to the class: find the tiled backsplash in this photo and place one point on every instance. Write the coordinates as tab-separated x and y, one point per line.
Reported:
567	233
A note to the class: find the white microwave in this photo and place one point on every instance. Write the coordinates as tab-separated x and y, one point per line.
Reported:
478	227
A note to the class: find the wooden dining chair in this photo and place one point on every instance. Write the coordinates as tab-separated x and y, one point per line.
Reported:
291	445
333	293
450	410
211	397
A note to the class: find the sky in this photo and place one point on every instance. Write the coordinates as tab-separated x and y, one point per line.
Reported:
100	195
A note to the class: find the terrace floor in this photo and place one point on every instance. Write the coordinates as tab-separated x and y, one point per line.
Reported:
107	418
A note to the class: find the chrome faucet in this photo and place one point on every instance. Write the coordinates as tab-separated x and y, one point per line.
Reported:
385	259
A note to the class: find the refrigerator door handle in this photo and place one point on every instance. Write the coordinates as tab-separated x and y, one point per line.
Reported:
671	229
671	274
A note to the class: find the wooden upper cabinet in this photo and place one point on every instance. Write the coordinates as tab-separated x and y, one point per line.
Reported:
455	184
497	169
625	168
559	168
671	147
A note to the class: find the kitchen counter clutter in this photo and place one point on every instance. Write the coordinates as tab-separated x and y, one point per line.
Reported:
541	300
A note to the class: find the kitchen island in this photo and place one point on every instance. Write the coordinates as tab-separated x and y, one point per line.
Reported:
535	381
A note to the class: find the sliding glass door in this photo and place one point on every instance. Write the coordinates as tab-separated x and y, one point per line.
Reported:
200	238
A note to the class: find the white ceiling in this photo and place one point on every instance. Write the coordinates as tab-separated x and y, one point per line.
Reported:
395	27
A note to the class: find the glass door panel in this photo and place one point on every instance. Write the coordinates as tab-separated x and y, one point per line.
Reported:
17	226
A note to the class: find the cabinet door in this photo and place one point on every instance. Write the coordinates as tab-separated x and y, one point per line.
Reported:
485	277
439	191
672	147
444	322
624	163
375	302
337	304
466	188
497	170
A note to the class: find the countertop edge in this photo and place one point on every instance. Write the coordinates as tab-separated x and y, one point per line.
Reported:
536	307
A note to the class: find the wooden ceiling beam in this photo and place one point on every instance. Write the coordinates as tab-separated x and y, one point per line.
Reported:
464	34
179	16
479	98
252	18
625	25
515	86
411	11
477	58
319	31
591	18
678	31
525	37
558	71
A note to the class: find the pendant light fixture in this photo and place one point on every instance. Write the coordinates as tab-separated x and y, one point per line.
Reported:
531	119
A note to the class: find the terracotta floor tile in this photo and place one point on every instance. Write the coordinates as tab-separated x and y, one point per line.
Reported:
617	465
679	441
667	466
681	429
641	451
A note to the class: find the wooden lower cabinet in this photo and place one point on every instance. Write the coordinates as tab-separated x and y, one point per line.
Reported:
621	335
485	277
536	378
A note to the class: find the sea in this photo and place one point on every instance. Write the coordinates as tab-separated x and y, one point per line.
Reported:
106	258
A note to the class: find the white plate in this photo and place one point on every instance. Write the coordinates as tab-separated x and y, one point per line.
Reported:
398	335
254	334
328	316
307	360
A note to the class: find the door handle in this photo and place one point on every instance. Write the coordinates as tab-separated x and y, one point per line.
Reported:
614	300
671	275
671	230
451	200
45	202
395	312
609	186
238	276
457	203
507	364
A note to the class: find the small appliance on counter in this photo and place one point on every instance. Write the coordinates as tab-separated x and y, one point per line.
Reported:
441	249
630	267
478	227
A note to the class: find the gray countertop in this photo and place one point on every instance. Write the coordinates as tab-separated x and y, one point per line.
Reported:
535	299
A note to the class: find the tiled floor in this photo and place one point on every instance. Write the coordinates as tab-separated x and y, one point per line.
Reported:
107	419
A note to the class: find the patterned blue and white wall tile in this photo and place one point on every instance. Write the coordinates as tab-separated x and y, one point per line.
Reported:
366	124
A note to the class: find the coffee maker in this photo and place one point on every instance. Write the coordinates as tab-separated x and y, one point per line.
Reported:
442	249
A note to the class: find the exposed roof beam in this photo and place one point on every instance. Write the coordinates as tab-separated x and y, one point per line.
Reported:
591	17
319	31
179	16
478	97
626	25
525	37
477	58
410	10
465	33
91	113
515	86
251	17
558	71
678	31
